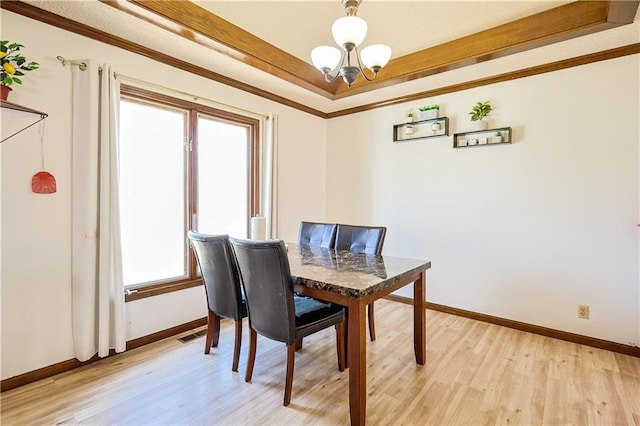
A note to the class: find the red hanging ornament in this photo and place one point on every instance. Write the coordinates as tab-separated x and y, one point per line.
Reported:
43	182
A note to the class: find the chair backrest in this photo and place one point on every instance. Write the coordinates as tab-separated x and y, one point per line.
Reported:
266	277
360	239
315	234
219	273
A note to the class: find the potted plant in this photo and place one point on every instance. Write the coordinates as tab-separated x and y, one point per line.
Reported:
409	117
429	112
479	112
14	65
498	137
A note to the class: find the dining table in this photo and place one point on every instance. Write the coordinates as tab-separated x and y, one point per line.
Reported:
354	280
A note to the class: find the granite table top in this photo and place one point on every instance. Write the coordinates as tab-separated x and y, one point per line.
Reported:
349	274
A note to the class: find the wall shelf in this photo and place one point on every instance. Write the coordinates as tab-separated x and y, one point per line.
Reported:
482	137
16	107
423	129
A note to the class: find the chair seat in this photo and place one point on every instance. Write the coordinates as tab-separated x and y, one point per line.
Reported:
312	315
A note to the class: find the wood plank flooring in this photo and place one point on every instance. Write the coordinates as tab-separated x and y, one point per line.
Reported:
476	373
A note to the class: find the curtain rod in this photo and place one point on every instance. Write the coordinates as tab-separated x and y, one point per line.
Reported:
65	61
191	95
83	66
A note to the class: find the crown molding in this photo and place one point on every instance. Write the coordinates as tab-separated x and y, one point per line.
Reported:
618	13
632	49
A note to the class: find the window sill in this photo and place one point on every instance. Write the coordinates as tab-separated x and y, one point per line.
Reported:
142	292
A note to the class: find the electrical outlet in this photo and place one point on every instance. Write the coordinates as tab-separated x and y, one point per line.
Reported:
583	311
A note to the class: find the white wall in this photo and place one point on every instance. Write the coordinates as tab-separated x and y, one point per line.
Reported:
526	231
35	229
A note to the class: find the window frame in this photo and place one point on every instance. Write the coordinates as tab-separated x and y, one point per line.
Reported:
193	111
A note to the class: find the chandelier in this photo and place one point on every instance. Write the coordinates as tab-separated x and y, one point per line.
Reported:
349	32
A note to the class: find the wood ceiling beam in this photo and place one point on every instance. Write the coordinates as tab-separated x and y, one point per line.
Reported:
618	52
544	28
562	23
200	26
70	25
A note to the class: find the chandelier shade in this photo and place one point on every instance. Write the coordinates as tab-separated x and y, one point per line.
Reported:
325	57
376	55
349	32
349	29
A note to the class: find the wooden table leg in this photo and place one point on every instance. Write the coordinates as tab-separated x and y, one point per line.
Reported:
357	362
420	319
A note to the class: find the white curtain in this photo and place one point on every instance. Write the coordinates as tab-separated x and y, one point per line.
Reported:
270	175
98	314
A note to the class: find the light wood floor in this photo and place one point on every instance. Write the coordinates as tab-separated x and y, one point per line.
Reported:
476	373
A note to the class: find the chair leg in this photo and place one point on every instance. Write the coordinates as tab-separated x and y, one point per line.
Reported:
372	326
298	344
236	347
288	384
346	339
213	332
253	338
340	345
216	330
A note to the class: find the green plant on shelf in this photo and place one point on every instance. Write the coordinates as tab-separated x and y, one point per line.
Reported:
480	111
429	107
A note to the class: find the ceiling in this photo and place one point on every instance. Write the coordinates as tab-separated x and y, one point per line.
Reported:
264	46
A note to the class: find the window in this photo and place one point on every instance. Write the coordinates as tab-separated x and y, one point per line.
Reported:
182	166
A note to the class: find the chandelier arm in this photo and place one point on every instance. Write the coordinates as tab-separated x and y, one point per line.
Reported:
375	74
328	77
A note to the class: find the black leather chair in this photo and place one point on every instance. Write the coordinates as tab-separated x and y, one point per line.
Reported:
222	286
362	239
315	234
274	310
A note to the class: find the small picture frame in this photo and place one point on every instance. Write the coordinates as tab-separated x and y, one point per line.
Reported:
472	141
462	142
482	141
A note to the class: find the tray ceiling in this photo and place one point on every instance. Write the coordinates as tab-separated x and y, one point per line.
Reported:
434	43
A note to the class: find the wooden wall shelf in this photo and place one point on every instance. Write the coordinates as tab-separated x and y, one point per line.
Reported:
16	107
482	137
423	129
